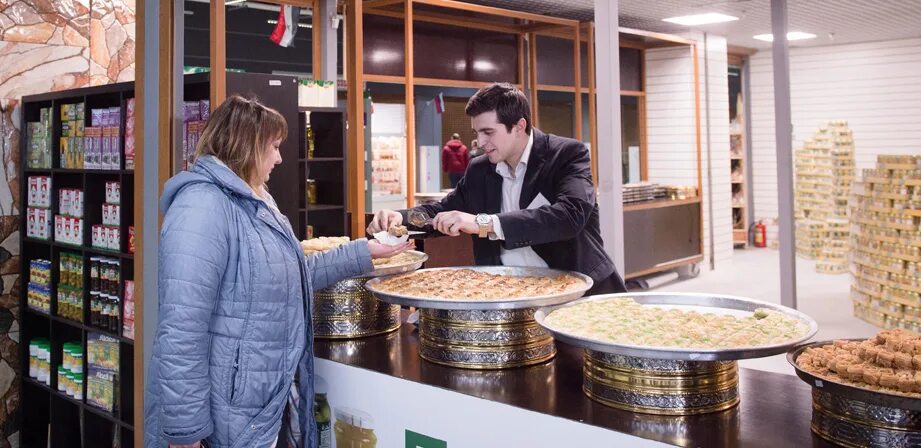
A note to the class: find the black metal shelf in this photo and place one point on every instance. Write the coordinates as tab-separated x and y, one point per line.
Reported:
323	159
46	418
79	403
321	109
327	169
81	326
322	207
74	171
93	250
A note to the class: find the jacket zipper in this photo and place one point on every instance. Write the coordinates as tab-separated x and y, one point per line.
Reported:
233	376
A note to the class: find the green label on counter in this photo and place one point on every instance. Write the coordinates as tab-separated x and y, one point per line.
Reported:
416	440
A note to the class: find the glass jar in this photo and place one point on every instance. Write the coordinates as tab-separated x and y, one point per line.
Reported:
354	429
311	191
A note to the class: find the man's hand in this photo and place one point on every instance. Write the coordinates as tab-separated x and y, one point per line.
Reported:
384	220
454	223
379	250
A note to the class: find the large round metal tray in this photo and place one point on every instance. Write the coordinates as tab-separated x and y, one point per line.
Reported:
845	390
446	303
420	259
686	301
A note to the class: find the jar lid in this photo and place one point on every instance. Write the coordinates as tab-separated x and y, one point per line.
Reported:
319	385
355	417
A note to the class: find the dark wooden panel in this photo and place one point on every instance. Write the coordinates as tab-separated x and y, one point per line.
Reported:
554	64
280	93
631	69
441	52
554	61
660	235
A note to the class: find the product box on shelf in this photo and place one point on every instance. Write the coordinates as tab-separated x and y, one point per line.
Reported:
38	193
106	237
39	288
129	135
38	223
39	298
128	311
111	215
102	352
68	230
113	193
105	156
130	239
102	356
70	202
101	390
39	136
70	286
113	238
91	147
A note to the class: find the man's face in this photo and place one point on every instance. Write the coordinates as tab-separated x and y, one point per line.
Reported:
494	139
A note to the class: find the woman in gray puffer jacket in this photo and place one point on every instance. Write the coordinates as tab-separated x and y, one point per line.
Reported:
235	294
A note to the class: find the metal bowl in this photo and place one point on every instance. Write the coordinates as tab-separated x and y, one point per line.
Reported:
702	302
446	303
873	397
420	259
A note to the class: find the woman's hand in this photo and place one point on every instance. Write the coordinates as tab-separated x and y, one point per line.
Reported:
379	250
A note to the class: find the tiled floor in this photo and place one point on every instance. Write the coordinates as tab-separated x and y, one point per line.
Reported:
755	273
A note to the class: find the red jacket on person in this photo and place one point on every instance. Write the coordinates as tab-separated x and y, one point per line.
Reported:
454	157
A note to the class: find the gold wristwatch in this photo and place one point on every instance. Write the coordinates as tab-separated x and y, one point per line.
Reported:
483	221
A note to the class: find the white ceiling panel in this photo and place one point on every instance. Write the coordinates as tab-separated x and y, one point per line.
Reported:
833	21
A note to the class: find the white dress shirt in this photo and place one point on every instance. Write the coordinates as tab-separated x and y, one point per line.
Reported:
511	198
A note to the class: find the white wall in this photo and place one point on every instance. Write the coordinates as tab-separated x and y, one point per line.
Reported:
875	86
671	131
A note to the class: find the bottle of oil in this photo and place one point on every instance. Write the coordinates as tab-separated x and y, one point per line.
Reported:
310	142
322	414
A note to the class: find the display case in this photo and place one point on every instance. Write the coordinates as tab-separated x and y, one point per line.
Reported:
322	185
78	212
737	176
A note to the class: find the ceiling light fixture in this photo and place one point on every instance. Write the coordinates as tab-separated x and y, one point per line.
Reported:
299	25
701	19
233	2
792	35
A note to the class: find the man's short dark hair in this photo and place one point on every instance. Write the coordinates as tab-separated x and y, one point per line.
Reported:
509	103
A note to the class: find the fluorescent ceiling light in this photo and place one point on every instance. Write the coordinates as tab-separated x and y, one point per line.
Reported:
233	2
701	19
792	35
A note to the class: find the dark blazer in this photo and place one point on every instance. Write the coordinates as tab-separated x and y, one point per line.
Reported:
566	234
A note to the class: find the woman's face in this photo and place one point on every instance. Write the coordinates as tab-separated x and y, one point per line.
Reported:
271	156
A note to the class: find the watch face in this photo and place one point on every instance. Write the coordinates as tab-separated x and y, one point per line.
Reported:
482	219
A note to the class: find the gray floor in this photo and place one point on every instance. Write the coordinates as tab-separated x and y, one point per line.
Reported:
755	273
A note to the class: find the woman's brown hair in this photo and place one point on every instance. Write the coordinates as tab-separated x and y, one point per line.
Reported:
238	132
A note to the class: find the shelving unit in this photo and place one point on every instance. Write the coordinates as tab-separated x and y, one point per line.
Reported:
885	243
737	182
824	173
50	417
326	166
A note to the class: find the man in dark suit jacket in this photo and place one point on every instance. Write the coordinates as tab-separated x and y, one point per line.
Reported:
528	201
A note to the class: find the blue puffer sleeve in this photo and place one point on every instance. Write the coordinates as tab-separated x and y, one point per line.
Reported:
194	252
348	260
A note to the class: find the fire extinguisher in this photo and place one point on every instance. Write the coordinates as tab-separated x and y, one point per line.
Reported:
760	234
